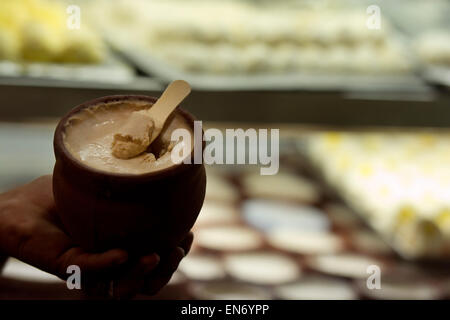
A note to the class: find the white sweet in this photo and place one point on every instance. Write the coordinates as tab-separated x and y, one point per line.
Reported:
281	186
228	238
241	37
200	267
344	265
214	212
262	268
218	188
316	288
307	243
434	47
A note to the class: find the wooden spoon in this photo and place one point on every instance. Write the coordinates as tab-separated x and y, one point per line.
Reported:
144	126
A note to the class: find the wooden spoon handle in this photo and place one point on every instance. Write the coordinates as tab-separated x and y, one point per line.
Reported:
174	94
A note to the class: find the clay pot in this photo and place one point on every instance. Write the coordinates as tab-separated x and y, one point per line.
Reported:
144	213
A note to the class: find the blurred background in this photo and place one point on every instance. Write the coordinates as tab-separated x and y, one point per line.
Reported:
358	89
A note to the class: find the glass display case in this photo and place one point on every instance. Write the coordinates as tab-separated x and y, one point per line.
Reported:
358	92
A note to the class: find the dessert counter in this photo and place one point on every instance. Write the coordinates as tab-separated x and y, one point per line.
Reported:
118	42
363	111
296	235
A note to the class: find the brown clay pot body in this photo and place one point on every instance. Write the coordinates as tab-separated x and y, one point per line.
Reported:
144	213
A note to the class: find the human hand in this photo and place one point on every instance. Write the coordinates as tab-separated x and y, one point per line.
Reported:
147	278
31	231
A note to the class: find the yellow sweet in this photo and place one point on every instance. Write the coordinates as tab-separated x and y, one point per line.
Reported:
36	30
443	221
9	45
82	46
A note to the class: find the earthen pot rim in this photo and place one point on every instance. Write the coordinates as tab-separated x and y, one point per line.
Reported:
61	150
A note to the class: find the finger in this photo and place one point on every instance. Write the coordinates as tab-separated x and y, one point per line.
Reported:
165	271
170	262
133	281
91	262
174	260
186	244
